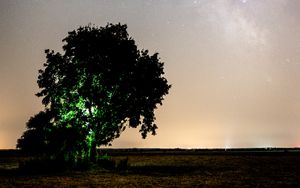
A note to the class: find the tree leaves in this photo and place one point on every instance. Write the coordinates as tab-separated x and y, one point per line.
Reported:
101	84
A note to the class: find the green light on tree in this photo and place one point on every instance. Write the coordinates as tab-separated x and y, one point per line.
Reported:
100	85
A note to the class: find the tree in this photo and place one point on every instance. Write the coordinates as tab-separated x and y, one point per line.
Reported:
99	86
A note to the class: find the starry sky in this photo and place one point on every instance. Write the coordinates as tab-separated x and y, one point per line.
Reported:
234	66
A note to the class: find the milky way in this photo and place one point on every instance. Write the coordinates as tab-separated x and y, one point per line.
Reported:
234	66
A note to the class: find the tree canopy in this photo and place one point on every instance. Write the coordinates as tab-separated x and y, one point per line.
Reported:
100	85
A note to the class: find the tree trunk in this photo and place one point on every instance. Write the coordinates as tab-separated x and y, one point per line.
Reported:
93	152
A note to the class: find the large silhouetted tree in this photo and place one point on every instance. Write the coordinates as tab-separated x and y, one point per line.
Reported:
101	84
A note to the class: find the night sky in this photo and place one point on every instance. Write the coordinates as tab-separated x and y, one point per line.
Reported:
234	66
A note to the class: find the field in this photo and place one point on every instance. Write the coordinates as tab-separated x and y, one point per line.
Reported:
169	168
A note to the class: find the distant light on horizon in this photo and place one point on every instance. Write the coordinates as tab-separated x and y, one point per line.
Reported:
234	66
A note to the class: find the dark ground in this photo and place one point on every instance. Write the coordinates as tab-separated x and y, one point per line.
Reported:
169	168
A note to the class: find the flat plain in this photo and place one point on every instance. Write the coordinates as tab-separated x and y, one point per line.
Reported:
168	168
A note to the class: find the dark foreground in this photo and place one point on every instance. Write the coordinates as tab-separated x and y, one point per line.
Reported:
169	168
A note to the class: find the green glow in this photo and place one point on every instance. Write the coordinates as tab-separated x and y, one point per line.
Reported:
80	104
90	138
69	115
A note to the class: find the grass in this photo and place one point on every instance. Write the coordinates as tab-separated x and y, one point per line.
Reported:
169	169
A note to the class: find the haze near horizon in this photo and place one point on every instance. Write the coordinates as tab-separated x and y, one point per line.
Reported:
234	66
